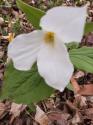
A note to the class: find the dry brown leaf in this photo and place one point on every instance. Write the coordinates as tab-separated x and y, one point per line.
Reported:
80	101
89	111
79	74
2	109
1	21
16	109
86	90
50	103
90	98
76	119
75	85
16	14
59	117
41	117
1	54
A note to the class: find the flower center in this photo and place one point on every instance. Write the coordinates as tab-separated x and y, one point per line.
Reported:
49	37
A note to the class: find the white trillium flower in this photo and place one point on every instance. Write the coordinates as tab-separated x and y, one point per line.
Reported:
60	25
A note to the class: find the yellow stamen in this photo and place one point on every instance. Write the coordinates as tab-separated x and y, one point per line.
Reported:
49	37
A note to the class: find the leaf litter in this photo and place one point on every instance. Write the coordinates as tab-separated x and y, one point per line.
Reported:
63	108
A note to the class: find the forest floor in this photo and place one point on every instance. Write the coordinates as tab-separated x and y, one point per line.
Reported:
63	108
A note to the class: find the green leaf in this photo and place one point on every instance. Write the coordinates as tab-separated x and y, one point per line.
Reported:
88	28
33	14
25	87
70	87
82	58
88	51
72	45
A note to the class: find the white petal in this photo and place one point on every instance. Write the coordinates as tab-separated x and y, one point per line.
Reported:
67	22
24	48
54	65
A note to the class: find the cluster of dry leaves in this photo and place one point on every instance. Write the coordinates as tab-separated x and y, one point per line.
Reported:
61	109
66	108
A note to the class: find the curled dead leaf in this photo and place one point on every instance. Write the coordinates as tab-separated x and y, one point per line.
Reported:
41	117
86	90
75	85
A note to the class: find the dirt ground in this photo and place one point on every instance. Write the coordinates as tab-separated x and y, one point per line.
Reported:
63	108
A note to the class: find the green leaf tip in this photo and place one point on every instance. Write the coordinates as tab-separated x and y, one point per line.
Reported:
33	14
